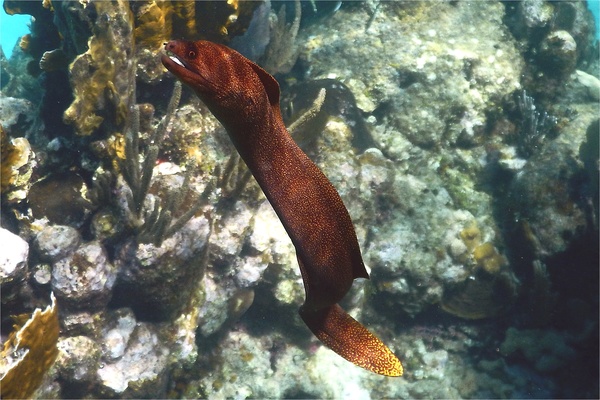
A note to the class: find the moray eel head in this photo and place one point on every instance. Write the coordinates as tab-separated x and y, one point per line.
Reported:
194	63
223	79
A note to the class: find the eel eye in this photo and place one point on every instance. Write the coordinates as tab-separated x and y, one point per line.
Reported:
191	54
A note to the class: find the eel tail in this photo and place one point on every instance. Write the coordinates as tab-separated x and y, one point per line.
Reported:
351	340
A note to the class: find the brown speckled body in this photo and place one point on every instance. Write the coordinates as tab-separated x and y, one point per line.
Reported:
245	99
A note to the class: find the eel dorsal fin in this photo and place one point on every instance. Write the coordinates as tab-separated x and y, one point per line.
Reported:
270	84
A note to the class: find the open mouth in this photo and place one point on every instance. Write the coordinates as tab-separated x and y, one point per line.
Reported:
175	59
188	73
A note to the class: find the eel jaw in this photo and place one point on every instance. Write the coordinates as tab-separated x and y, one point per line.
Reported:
175	59
184	71
170	60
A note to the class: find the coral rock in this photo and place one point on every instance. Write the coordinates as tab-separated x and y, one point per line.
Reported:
13	261
115	340
158	281
559	51
55	242
141	370
59	198
78	358
547	350
84	280
550	196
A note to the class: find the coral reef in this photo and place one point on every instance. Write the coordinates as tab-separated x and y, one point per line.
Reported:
158	281
476	212
430	56
547	350
78	359
555	38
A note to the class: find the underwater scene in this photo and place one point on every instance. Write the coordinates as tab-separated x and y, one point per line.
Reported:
299	199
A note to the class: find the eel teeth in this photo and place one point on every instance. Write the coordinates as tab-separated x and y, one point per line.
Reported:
176	61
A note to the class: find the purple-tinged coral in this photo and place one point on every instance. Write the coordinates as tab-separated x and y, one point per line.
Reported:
84	279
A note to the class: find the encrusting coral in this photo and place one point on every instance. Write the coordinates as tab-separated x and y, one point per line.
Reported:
16	159
490	287
101	77
29	352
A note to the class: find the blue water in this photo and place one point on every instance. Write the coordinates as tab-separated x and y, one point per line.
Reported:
594	6
12	27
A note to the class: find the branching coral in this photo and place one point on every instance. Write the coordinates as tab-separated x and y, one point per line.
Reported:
152	224
534	126
281	53
29	352
308	115
234	178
